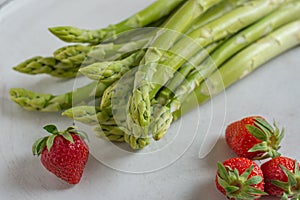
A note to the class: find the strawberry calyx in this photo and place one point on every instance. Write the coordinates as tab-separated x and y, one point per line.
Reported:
292	186
48	141
270	136
239	186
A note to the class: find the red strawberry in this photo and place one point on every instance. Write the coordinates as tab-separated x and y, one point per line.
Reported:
63	153
240	178
282	177
254	138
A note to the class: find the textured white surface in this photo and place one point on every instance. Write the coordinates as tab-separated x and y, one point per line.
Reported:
272	91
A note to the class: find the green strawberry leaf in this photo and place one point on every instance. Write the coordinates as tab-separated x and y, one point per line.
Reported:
71	129
246	173
231	189
264	123
223	172
254	180
284	196
83	135
280	184
67	135
259	147
256	132
291	177
254	191
36	144
49	142
51	128
40	146
281	134
222	182
297	172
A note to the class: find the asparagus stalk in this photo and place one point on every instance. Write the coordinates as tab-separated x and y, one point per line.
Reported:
252	57
110	132
34	101
146	87
47	65
150	14
212	14
89	115
215	12
139	111
68	60
167	92
284	15
111	71
236	68
79	54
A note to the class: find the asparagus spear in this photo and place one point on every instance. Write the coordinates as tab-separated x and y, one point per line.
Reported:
236	68
150	14
111	71
240	65
285	14
146	86
76	54
110	132
47	65
68	60
215	12
34	101
139	111
79	54
167	92
89	115
243	63
252	57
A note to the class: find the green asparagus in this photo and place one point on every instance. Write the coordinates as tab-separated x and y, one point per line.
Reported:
151	76
274	43
48	65
139	112
167	92
215	12
283	15
110	132
85	55
237	67
150	14
253	56
111	71
145	78
34	101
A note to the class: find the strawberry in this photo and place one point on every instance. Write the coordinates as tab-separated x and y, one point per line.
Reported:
282	177
63	153
240	178
254	138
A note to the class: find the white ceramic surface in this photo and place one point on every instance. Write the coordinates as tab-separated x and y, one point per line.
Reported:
272	91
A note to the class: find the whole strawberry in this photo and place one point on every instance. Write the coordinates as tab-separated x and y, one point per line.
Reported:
63	153
240	178
254	138
282	177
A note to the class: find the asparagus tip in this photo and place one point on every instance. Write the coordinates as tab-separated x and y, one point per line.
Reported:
65	33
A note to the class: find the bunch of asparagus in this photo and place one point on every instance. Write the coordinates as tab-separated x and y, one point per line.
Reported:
147	69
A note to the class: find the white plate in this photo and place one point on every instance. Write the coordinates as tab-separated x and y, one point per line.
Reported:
181	170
